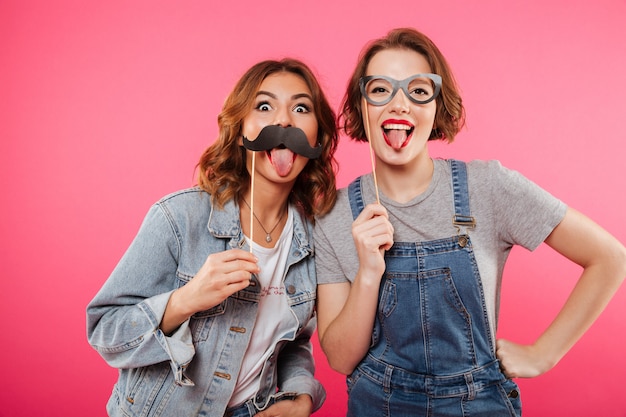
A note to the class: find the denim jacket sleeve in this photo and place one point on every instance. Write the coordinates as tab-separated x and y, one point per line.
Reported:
296	367
124	317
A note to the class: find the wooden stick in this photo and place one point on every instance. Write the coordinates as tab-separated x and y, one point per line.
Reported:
252	175
369	141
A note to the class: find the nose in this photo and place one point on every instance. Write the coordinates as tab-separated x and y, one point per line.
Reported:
283	117
400	102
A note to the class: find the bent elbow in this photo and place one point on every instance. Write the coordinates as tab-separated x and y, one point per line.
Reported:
621	260
616	261
339	358
342	368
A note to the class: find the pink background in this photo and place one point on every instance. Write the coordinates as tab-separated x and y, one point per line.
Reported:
106	106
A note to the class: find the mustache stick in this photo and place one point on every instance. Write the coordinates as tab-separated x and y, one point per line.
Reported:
275	136
369	141
252	200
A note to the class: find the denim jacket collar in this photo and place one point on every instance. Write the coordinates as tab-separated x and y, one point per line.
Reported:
225	223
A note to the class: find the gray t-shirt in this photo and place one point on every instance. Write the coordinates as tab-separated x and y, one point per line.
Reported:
508	208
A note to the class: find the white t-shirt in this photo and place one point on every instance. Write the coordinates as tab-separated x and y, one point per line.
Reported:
273	316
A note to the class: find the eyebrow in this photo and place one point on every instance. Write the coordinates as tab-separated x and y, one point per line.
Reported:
294	97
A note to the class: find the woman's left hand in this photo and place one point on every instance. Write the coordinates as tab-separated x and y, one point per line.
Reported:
301	406
520	361
603	259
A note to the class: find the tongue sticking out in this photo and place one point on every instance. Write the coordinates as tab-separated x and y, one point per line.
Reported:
282	160
396	138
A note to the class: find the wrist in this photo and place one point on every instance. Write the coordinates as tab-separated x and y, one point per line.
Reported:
305	400
180	308
546	356
176	312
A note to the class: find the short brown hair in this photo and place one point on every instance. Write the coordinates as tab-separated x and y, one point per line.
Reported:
450	114
222	167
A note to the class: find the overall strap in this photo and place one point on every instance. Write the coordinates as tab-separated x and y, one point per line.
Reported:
462	214
356	197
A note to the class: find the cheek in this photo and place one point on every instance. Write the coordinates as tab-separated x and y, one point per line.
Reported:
432	112
426	116
252	126
311	134
373	113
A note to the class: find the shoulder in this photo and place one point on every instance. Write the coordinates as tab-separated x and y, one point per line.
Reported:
192	195
491	180
190	203
340	210
484	167
473	164
478	171
335	226
193	198
491	173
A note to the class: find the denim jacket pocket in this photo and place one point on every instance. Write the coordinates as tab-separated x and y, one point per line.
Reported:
139	390
202	321
183	278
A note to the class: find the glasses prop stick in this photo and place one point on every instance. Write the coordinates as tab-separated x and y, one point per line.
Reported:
369	141
419	88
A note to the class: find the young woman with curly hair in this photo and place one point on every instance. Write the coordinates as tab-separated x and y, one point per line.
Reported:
211	309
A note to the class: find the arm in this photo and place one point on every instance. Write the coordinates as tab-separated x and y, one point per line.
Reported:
221	275
296	370
346	312
135	319
123	318
603	260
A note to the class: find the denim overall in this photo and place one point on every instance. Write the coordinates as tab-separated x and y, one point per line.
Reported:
432	350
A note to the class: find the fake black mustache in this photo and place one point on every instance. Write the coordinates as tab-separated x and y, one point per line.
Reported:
293	138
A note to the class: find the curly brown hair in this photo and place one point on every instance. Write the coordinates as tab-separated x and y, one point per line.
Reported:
222	167
450	114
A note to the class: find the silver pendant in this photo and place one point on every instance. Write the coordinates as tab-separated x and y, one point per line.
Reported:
268	238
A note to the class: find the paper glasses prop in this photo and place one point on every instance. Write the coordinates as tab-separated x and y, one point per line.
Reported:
379	90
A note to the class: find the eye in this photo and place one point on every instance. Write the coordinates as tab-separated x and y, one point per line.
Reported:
263	106
421	88
302	108
379	90
420	92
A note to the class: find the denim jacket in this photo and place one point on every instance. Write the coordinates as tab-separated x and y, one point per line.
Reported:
194	370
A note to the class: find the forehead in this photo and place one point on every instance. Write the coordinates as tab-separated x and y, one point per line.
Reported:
286	83
398	64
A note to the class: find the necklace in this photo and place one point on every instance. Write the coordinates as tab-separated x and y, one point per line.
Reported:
268	235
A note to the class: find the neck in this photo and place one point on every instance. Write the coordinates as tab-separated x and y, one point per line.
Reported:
402	183
269	214
267	205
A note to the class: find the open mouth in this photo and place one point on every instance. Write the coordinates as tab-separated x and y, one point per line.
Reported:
397	135
282	159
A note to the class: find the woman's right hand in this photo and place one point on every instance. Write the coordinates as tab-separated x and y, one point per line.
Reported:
222	275
373	235
346	310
